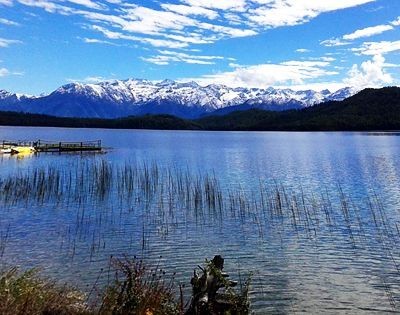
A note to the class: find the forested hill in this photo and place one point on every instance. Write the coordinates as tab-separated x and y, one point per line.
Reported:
370	109
162	122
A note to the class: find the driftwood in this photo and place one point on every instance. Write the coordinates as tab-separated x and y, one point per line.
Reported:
206	298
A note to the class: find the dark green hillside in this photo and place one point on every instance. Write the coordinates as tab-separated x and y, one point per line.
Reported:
165	122
371	109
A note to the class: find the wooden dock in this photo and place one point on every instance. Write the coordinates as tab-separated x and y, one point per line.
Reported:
52	146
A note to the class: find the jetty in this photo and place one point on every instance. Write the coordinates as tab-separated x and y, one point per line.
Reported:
54	146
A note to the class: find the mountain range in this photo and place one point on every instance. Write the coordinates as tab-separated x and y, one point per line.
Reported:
121	98
368	110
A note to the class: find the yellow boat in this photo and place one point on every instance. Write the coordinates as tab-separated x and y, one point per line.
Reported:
22	150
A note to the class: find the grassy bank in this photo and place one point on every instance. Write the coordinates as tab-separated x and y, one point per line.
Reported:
136	289
27	293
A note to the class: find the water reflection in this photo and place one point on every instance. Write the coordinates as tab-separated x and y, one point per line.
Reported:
311	248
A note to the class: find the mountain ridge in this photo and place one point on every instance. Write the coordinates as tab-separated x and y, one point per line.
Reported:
120	98
368	110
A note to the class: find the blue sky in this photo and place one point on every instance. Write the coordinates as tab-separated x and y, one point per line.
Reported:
299	44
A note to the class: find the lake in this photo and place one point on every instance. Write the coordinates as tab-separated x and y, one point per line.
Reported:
314	217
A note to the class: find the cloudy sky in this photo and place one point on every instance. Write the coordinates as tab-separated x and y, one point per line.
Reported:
300	44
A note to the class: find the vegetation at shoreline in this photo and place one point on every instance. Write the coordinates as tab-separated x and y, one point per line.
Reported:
27	293
370	109
136	289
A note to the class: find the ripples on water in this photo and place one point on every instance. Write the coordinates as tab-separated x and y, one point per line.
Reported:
327	243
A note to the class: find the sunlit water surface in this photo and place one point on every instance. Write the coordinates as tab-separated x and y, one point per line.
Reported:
349	266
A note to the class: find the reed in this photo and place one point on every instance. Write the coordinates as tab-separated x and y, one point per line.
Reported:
169	193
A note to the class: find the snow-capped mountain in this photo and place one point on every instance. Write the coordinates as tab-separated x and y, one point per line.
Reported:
111	99
11	99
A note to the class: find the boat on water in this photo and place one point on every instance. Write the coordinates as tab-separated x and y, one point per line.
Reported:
6	151
22	150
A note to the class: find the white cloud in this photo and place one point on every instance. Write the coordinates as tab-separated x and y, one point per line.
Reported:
8	22
193	21
54	6
95	41
367	48
233	18
165	57
329	59
377	48
89	4
4	72
174	53
371	73
190	10
4	43
396	22
6	2
275	13
306	64
235	5
302	75
225	31
264	75
170	25
144	20
159	60
365	32
44	4
192	38
234	65
149	21
154	42
334	42
302	50
368	31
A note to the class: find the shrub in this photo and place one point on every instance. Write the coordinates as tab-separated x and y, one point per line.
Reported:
139	290
26	293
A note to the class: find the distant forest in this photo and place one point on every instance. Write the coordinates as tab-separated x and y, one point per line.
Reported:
370	109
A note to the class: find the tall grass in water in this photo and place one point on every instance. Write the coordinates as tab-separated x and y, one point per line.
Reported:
169	193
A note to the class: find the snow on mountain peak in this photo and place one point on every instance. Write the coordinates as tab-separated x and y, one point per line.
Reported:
117	98
16	96
191	94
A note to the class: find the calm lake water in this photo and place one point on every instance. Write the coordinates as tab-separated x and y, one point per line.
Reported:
333	249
